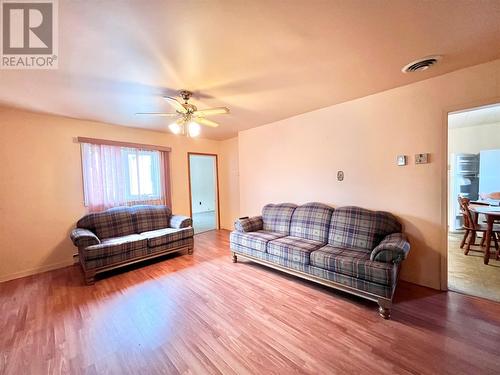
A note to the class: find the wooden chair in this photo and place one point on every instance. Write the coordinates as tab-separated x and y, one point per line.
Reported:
472	228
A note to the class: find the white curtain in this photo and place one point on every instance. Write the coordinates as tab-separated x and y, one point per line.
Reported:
118	176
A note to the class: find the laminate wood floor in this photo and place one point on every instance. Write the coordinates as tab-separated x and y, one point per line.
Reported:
203	314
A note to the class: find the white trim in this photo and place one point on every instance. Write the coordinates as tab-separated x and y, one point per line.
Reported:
34	271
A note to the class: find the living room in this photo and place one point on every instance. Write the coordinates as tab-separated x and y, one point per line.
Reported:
306	112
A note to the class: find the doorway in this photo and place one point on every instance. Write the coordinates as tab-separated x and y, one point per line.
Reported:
203	191
473	162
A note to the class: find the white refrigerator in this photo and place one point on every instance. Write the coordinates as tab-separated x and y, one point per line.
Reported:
489	171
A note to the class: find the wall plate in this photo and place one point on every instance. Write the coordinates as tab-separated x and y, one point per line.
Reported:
421	158
340	176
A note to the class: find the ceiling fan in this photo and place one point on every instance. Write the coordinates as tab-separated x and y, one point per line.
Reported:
189	118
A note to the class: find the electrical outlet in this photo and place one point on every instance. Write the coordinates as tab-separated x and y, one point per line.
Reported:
421	158
340	176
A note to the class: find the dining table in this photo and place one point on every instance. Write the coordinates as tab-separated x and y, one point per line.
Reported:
492	214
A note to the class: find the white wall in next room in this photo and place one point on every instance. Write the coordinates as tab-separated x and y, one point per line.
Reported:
203	183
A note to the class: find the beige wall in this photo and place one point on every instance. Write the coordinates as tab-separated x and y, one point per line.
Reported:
297	159
472	139
41	193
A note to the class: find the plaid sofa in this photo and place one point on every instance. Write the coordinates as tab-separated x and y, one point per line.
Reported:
125	235
350	248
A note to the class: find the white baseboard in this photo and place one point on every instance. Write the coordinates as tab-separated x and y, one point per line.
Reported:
33	271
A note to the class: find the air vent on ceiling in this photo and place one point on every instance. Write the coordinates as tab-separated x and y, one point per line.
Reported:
421	64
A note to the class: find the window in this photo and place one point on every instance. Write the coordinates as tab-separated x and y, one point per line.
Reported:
142	174
119	175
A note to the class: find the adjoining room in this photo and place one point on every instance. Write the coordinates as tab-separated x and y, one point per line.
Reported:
203	179
474	194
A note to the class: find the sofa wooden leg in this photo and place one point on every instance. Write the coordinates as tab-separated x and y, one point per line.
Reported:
384	308
89	278
235	258
190	250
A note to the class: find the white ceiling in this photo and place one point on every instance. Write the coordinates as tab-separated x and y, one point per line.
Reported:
265	60
475	117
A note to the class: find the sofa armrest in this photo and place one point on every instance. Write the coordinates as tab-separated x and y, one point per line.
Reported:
180	221
249	224
83	238
393	249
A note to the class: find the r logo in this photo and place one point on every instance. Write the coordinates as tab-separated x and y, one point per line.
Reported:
27	28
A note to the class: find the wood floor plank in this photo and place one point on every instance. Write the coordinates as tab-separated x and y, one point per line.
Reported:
203	314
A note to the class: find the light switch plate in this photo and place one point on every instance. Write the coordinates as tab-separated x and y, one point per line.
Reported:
421	158
402	160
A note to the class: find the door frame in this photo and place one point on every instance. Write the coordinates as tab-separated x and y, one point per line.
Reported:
217	226
444	179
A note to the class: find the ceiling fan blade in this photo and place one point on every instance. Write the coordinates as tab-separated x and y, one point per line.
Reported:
157	114
179	107
211	111
206	122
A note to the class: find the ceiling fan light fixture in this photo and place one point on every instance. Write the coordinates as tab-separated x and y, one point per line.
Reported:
189	118
194	129
175	128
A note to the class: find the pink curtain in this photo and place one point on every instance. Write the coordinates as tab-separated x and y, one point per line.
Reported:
122	176
165	177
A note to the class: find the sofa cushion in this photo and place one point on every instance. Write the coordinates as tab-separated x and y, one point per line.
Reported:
115	222
148	217
163	236
295	249
360	229
311	221
277	217
354	263
134	254
116	245
254	240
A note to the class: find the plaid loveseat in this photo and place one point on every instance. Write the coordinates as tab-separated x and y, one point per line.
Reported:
348	248
125	235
